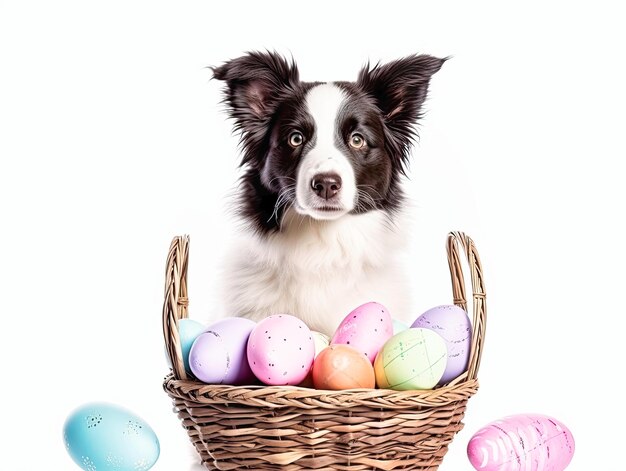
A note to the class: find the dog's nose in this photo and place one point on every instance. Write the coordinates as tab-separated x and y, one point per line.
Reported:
326	185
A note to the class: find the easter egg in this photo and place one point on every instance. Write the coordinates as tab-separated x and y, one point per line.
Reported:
412	359
219	356
101	436
321	342
530	442
342	367
398	326
453	325
366	329
281	350
188	331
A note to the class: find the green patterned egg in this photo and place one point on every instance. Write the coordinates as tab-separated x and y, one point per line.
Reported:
412	359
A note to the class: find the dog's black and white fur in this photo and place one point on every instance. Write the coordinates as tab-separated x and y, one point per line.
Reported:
321	189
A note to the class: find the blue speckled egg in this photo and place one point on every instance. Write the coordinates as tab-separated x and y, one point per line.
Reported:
101	436
189	330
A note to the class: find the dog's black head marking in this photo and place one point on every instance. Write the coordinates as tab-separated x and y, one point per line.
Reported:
268	102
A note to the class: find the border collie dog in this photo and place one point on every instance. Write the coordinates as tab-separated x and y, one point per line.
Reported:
320	193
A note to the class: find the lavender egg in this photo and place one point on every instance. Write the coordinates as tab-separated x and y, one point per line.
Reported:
219	355
452	323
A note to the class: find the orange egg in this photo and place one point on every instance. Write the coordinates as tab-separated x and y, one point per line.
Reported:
342	367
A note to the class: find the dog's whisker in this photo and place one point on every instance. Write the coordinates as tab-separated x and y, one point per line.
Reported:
282	221
284	196
372	189
363	198
364	193
281	201
282	178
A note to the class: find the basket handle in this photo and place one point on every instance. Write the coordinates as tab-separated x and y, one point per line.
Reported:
456	239
176	301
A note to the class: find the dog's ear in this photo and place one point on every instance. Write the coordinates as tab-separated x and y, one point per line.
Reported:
399	89
254	84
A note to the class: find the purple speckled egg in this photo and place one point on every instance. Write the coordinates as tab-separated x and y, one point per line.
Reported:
365	329
218	356
452	323
281	350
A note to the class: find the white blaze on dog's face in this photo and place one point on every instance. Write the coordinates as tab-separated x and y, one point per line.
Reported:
325	179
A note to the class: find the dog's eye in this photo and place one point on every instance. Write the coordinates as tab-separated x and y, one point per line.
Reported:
357	141
296	139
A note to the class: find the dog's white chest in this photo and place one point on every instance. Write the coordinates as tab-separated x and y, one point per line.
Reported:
317	270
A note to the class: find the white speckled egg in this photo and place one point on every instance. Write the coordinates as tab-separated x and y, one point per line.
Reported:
321	342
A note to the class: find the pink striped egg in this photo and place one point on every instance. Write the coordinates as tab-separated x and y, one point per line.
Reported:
530	442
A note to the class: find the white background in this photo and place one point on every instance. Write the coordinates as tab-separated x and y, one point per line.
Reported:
112	141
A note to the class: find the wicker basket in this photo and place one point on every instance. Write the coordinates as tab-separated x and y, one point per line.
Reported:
292	428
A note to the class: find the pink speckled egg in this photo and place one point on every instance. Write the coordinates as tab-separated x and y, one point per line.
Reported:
219	356
281	350
365	329
453	325
530	442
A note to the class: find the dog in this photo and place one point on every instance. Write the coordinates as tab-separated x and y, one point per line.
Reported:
320	192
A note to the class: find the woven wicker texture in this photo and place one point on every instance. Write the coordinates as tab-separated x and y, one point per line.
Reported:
292	428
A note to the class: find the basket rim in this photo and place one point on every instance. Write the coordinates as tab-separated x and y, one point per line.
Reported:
289	396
